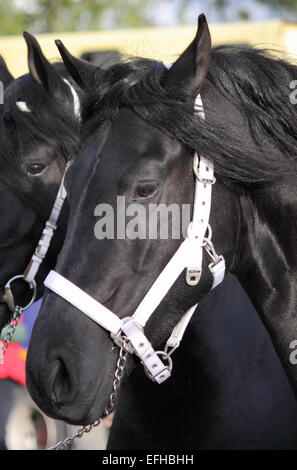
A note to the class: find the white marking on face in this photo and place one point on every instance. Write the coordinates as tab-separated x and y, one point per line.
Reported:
22	105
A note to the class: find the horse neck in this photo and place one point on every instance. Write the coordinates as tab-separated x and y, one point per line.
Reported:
267	264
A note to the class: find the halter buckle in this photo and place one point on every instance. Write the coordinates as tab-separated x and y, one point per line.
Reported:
215	263
206	180
196	169
121	340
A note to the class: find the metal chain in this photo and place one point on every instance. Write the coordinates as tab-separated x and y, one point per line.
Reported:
119	373
4	342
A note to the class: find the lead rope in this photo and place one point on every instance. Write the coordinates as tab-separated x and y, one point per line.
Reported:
119	373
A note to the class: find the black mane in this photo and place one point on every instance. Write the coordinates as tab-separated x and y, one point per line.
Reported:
257	83
48	123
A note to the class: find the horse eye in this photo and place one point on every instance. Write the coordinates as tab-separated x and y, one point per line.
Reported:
145	190
35	169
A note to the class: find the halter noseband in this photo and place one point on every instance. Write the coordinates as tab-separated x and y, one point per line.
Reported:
189	255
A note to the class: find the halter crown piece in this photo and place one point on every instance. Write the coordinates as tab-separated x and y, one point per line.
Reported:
189	255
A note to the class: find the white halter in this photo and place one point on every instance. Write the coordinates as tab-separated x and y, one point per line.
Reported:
51	224
189	255
47	233
39	254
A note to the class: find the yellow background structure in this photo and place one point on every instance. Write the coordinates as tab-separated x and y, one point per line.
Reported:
158	43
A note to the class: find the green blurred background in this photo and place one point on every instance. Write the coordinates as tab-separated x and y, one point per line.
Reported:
159	29
83	15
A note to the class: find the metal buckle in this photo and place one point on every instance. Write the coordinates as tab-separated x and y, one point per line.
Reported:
172	349
50	225
215	263
206	180
8	297
196	164
121	340
210	250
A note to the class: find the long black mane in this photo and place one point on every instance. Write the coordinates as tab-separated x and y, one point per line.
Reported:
253	80
48	123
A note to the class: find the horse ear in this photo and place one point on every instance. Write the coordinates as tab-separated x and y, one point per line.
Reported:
82	72
5	76
41	70
190	69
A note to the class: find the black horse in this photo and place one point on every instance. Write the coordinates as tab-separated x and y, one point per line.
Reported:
139	139
6	76
39	134
230	393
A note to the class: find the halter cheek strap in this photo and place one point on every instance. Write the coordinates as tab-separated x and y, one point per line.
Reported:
188	256
44	242
39	254
47	234
51	224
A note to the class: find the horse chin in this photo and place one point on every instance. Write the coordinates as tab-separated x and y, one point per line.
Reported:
78	415
5	315
102	396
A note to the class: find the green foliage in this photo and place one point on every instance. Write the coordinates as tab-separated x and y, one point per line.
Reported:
12	19
82	15
289	5
73	15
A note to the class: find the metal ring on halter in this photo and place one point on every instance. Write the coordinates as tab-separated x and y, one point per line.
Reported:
8	295
171	351
167	358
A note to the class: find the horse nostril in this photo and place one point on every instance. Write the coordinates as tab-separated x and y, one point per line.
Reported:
62	387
